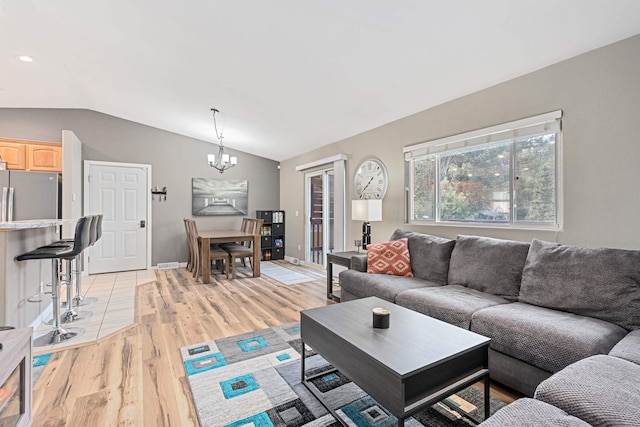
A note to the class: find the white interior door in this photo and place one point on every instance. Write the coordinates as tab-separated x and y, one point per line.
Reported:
120	192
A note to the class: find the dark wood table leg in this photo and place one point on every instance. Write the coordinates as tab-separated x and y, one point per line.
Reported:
256	255
487	398
302	368
329	280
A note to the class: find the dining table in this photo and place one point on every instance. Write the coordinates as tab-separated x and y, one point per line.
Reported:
228	236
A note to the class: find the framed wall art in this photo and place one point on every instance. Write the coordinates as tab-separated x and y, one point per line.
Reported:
212	196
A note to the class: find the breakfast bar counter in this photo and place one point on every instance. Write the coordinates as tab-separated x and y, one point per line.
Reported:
32	223
20	280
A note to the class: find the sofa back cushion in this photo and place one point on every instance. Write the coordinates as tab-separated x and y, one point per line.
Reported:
429	255
601	283
488	265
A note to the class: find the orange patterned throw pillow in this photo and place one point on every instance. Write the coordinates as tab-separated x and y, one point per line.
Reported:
389	258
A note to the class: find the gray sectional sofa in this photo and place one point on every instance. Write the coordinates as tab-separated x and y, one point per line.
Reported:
553	312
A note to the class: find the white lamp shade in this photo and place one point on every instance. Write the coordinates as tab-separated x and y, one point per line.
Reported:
211	158
234	160
225	158
366	210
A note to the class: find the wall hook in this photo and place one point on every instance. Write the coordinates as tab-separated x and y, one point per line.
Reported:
161	193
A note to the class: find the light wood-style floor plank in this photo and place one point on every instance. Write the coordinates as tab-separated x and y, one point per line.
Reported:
135	377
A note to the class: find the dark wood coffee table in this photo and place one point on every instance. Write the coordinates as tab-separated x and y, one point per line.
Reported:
415	363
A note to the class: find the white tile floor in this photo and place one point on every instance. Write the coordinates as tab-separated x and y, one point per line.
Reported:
113	311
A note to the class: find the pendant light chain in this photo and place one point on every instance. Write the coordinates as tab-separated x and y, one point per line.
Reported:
222	161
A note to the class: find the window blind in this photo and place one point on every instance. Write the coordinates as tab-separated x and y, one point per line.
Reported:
537	125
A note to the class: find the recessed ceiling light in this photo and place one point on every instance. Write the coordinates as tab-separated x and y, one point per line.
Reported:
25	58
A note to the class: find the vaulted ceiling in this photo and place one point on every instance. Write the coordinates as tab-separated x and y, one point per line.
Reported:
288	75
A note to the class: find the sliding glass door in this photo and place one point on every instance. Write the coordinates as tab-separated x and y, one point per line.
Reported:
320	229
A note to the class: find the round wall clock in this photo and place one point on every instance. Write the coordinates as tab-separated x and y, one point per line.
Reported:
371	180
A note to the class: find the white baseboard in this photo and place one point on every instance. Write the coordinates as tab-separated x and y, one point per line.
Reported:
304	263
294	260
168	265
174	265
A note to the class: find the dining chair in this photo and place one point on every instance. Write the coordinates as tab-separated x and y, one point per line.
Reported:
194	247
244	251
215	253
191	259
243	227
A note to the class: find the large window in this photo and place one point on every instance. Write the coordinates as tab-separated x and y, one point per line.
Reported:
504	175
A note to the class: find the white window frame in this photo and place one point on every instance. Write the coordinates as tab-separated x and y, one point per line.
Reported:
547	122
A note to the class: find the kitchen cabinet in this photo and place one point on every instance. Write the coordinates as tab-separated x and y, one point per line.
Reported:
14	154
31	155
44	158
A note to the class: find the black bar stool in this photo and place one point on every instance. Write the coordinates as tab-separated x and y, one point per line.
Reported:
56	255
96	233
73	269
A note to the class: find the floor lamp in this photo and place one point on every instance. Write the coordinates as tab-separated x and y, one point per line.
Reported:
366	210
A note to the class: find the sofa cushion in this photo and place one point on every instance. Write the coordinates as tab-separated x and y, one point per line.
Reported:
488	265
628	348
430	255
548	339
364	285
600	283
601	390
531	412
389	258
452	304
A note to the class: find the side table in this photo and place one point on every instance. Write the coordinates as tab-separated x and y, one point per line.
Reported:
338	258
16	359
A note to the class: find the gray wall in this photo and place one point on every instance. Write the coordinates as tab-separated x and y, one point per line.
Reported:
599	93
175	159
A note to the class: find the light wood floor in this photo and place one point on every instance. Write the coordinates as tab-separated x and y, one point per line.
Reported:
135	377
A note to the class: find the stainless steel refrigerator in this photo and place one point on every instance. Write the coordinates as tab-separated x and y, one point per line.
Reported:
30	195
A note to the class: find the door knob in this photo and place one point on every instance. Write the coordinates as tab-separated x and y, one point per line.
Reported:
143	223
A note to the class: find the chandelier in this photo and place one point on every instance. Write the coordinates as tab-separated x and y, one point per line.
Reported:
221	161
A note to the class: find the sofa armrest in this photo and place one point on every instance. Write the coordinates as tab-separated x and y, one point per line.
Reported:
359	262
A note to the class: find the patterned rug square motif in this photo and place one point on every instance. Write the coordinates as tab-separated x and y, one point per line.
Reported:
238	386
253	380
253	344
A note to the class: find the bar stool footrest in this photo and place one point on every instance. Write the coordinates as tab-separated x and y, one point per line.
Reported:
40	297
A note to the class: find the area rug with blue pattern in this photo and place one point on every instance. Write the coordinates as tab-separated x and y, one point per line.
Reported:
39	362
253	379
